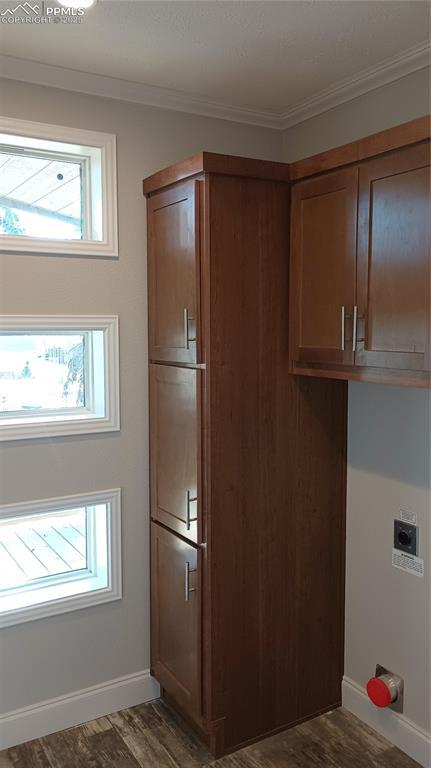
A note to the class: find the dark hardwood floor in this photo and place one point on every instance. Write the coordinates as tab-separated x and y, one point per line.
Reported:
149	736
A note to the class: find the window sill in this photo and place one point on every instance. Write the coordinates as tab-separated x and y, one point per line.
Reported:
25	429
61	603
29	245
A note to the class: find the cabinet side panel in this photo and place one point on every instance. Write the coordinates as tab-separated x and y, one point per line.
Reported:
276	450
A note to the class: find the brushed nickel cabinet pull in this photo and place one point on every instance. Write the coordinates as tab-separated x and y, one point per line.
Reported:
189	519
187	588
186	328
343	325
355	326
187	338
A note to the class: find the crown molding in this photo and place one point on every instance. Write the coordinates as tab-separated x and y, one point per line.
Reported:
369	79
125	90
384	73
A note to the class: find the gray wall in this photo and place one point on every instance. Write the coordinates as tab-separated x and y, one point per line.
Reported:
388	427
387	611
50	657
385	107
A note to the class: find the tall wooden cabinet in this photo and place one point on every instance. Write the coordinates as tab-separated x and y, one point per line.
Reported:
247	462
360	260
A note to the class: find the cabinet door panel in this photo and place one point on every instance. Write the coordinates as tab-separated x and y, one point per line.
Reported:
175	448
173	266
175	618
324	216
393	261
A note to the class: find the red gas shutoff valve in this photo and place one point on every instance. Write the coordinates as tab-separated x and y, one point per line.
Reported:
384	690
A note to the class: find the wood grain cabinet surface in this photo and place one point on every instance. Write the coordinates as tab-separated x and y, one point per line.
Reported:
258	644
360	270
175	618
174	448
248	462
394	239
324	216
173	255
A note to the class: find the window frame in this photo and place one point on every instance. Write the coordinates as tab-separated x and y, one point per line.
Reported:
71	602
82	419
107	247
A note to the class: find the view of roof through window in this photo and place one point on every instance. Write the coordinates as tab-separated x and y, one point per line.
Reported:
40	195
41	371
42	545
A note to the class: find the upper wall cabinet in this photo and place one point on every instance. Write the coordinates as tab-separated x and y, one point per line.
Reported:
323	277
360	272
173	253
393	261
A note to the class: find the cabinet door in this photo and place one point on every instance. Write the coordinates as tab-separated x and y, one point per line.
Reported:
323	275
393	261
173	268
175	448
175	618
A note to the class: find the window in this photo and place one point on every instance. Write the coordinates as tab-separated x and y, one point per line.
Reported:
57	189
59	555
41	195
58	376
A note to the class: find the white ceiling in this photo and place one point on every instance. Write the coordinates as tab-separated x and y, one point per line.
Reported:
257	54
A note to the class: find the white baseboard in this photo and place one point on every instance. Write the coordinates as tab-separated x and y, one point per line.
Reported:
76	708
395	727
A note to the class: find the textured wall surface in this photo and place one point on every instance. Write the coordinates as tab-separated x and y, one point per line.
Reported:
387	611
50	657
388	427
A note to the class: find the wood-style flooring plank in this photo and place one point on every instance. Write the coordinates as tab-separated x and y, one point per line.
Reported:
183	751
5	761
154	736
148	750
151	736
95	726
137	719
336	740
76	749
30	755
241	759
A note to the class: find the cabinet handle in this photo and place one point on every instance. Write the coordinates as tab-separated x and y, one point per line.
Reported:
187	588
343	326
189	519
355	326
187	320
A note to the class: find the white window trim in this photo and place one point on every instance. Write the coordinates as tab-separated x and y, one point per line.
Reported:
56	425
106	142
113	591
